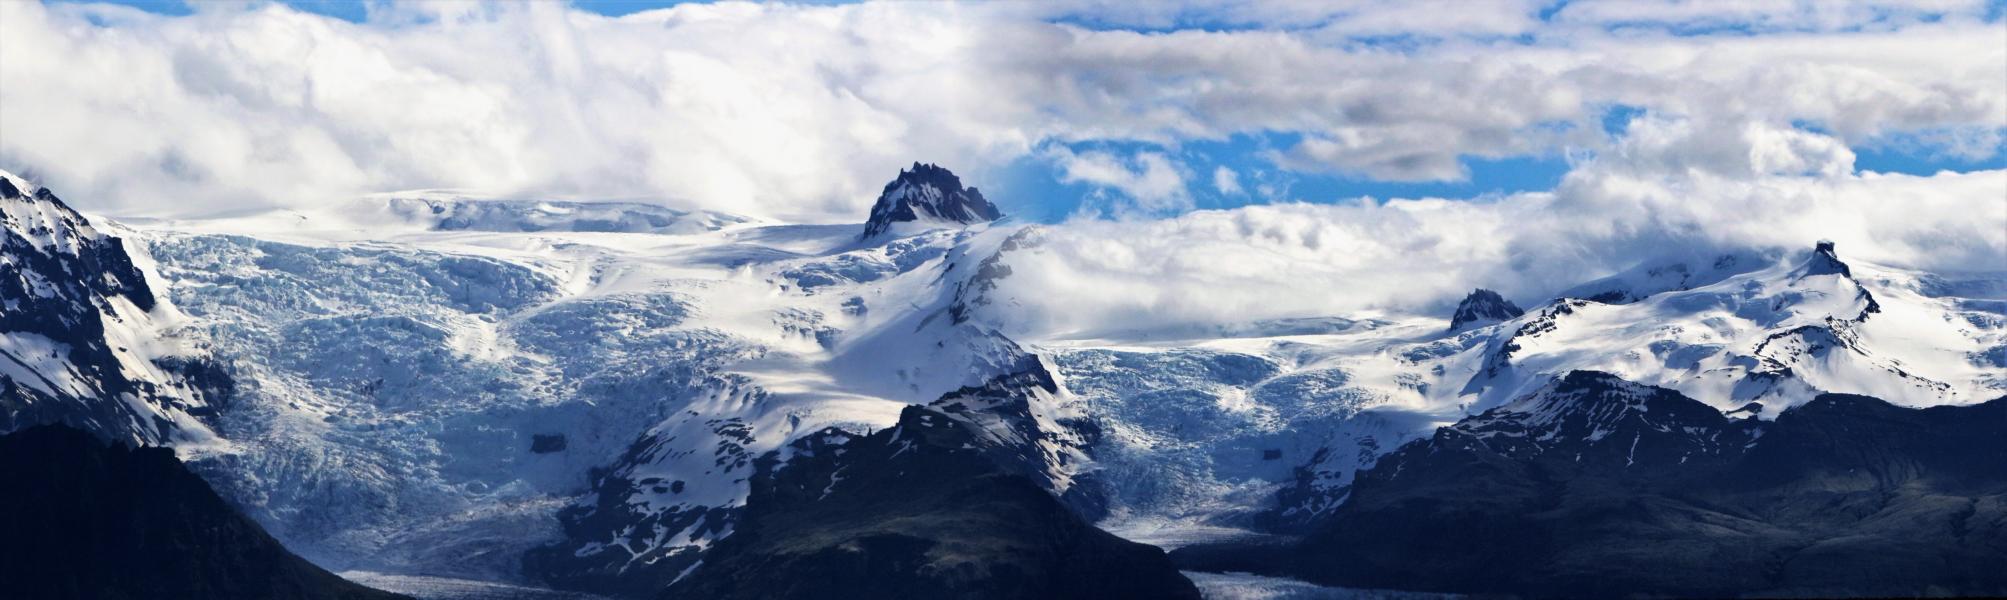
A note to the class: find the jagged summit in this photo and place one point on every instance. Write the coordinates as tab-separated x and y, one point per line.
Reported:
930	194
1824	261
1483	307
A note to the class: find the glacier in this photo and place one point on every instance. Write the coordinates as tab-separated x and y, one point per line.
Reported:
425	384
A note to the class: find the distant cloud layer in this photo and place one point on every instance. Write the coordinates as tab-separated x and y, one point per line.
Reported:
801	112
1744	120
1294	260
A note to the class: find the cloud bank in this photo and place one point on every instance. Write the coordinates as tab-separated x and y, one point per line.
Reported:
801	112
1670	189
1743	125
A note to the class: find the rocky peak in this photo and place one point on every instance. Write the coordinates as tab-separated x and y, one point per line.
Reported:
1824	261
930	194
43	234
1483	307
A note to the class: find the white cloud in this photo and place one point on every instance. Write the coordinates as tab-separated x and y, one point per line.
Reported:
1661	192
1744	150
802	112
1764	14
1344	17
770	110
1150	180
1227	182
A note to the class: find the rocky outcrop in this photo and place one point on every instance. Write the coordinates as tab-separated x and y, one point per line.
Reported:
1483	307
928	195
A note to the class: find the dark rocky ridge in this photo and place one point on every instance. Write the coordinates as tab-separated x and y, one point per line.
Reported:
1483	307
87	520
999	442
1602	488
929	192
919	510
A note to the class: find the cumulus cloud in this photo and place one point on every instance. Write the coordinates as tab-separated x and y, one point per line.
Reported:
1151	182
1659	194
768	110
1742	150
801	112
1226	181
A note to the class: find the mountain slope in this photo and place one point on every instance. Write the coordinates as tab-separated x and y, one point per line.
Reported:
938	506
579	393
1598	487
78	340
1778	335
1206	427
87	520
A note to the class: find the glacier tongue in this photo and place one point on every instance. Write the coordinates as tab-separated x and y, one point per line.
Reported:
444	400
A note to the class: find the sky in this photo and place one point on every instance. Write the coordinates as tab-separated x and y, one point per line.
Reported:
1518	144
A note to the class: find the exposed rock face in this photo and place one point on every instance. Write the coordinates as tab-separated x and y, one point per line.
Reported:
71	304
1483	307
935	507
1825	261
86	520
931	195
1597	487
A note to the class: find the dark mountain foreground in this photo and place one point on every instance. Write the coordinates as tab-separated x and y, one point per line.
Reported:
1598	487
90	520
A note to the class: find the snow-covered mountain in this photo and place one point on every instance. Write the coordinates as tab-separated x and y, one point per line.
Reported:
583	394
442	386
956	500
926	196
1268	430
1482	307
79	341
1551	494
1778	335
